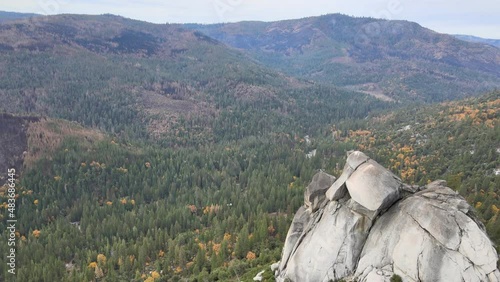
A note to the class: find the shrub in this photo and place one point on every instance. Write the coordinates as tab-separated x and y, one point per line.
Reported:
396	278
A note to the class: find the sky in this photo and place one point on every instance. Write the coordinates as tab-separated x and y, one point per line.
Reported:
479	18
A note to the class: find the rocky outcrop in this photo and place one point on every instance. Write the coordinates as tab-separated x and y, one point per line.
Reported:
369	226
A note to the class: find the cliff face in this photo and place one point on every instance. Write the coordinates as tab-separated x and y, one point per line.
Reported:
368	226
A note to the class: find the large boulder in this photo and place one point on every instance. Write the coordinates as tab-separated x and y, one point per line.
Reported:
428	237
367	182
368	231
299	223
338	189
326	251
373	186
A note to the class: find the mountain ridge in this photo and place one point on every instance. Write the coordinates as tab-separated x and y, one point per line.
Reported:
476	39
164	76
8	16
397	58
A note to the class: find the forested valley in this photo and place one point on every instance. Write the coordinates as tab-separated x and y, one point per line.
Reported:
185	160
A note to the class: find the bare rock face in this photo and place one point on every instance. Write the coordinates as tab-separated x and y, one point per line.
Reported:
315	191
364	230
338	189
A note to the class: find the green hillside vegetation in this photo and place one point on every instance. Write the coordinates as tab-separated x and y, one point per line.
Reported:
217	210
118	210
399	60
140	80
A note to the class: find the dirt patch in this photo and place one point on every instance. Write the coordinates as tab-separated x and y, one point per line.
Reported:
46	135
248	92
164	110
371	89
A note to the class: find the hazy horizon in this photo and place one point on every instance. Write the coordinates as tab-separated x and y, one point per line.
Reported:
462	17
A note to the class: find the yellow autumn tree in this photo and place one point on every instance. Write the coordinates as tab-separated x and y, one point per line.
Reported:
216	248
101	258
192	208
202	246
495	209
250	255
36	233
155	275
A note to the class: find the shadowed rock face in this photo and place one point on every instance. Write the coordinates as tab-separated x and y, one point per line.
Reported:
363	229
315	191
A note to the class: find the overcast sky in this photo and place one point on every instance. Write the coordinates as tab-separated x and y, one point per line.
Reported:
480	17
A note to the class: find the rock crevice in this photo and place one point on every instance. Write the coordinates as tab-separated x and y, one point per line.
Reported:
368	225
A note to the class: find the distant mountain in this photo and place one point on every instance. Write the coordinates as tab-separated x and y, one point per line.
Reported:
7	16
397	59
470	38
136	78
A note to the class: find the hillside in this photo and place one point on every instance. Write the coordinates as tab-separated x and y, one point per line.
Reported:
139	80
470	38
390	59
120	210
9	16
14	143
25	140
125	210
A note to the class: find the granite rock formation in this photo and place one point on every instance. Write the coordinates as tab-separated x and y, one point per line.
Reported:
368	226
